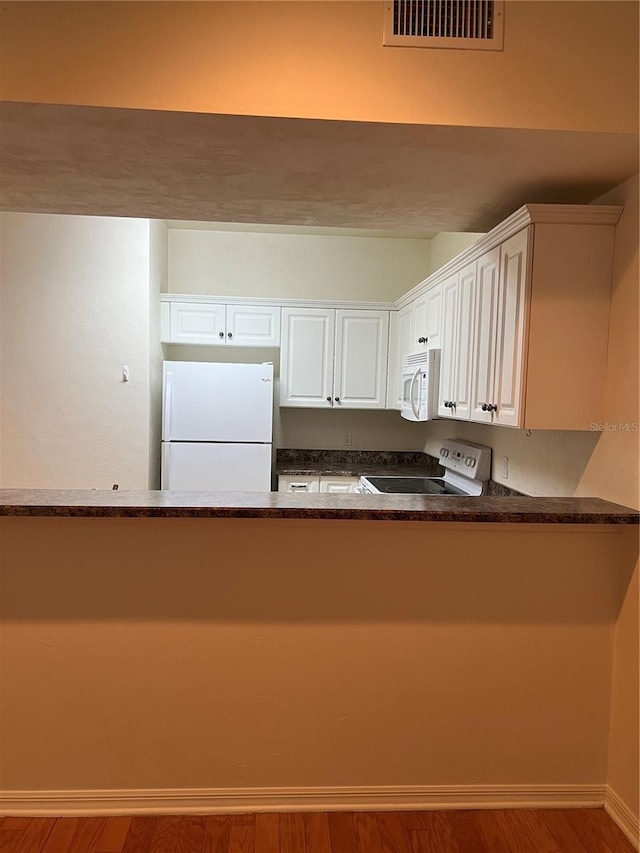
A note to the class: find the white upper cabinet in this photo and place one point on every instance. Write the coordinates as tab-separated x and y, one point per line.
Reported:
306	360
525	324
334	358
216	324
360	368
446	401
433	317
507	400
414	328
464	342
195	323
483	335
253	325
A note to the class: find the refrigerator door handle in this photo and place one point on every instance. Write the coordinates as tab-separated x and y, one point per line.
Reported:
164	465
166	407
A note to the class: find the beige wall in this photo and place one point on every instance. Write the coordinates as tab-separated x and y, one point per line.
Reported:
325	60
75	309
544	463
306	654
613	473
447	244
381	430
295	266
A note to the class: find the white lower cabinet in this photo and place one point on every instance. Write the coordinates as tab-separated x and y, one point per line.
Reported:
334	358
313	483
306	483
338	485
217	324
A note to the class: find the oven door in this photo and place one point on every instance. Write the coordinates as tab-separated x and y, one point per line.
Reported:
414	383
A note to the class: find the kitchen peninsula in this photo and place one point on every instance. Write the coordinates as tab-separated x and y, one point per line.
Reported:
272	651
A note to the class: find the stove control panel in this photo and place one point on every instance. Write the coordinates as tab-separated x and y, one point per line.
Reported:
463	457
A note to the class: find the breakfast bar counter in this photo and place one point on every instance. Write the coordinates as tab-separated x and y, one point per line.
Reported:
278	505
200	652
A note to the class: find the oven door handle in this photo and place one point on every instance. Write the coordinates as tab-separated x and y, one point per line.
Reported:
415	411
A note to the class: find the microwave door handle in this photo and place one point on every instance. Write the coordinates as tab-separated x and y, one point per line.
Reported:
411	387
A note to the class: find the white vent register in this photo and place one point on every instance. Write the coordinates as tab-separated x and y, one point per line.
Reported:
462	24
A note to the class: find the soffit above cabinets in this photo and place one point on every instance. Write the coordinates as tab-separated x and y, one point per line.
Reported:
418	179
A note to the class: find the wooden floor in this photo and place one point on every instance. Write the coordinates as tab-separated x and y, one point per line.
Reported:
513	831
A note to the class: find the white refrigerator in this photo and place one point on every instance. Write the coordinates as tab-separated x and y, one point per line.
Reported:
217	422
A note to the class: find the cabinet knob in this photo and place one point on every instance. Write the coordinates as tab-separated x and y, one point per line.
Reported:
492	407
485	408
221	334
422	340
229	335
337	399
328	399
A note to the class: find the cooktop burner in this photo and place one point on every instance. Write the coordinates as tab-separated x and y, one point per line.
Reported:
414	486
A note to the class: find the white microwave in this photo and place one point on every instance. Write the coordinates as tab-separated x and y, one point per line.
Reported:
420	377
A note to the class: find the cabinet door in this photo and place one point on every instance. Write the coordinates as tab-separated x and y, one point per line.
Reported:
338	485
197	323
448	349
510	331
464	341
433	317
306	361
484	335
393	363
400	344
253	325
305	484
360	376
420	325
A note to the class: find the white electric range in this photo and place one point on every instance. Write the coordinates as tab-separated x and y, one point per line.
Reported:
467	469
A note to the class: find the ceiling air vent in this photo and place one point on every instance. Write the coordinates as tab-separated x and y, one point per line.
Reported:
466	24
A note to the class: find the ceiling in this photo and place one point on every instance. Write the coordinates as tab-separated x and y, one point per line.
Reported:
410	179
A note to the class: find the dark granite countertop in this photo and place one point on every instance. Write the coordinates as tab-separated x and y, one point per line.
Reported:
351	463
146	504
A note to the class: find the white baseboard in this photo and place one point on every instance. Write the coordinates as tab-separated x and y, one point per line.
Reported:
621	814
229	800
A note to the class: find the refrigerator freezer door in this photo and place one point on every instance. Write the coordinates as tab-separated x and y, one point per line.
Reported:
216	467
217	402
